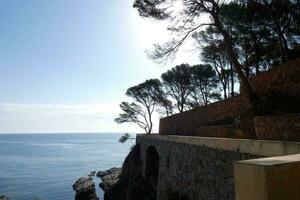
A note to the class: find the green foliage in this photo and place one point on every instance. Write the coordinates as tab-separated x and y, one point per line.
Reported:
177	82
146	92
183	87
204	85
146	97
151	8
130	113
124	138
240	39
263	32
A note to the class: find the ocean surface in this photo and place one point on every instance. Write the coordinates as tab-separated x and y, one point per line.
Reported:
45	166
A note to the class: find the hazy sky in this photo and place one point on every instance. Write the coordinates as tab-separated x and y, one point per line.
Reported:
66	64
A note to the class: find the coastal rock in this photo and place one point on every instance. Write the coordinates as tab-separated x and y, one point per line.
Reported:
131	184
2	197
85	189
110	171
93	173
109	177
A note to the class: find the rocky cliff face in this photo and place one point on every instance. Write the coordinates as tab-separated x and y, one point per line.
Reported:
131	185
126	183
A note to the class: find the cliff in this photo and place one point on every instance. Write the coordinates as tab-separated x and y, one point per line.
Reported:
131	185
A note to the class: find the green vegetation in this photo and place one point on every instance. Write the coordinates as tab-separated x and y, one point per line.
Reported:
239	39
241	36
125	137
182	88
146	96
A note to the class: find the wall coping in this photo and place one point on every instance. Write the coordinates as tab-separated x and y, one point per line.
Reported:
273	178
272	161
265	148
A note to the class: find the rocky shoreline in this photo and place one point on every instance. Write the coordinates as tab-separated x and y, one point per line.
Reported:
85	188
2	197
126	183
109	178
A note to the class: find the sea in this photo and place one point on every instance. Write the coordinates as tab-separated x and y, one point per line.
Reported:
45	166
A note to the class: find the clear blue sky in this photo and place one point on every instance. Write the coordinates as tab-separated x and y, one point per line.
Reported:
66	64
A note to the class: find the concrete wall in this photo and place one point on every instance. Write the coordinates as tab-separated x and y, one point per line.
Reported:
195	168
274	178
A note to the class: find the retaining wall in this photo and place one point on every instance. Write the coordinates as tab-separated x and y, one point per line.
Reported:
190	122
279	89
195	168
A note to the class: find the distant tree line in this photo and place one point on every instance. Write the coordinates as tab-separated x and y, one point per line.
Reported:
240	39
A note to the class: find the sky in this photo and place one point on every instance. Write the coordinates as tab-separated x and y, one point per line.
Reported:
65	65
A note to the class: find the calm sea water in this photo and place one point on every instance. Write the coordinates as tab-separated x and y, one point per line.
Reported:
45	166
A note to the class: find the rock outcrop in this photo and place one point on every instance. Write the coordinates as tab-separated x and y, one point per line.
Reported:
85	189
109	178
131	184
93	173
2	197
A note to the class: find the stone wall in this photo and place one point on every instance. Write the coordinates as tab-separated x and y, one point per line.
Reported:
193	168
191	122
278	88
215	131
278	127
283	80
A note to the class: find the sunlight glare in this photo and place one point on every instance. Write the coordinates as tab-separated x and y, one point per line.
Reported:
177	6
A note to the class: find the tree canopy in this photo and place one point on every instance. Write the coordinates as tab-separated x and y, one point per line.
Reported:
252	34
145	96
204	85
177	82
183	87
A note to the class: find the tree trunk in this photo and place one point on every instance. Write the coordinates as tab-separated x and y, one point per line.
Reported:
224	90
256	54
150	120
283	45
232	80
245	84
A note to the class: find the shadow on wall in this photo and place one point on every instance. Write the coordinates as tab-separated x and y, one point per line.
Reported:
134	183
151	171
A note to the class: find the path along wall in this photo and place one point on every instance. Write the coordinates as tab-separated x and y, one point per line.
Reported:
195	168
279	89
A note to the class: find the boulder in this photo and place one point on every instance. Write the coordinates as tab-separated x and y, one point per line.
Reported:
2	197
93	173
85	189
109	177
